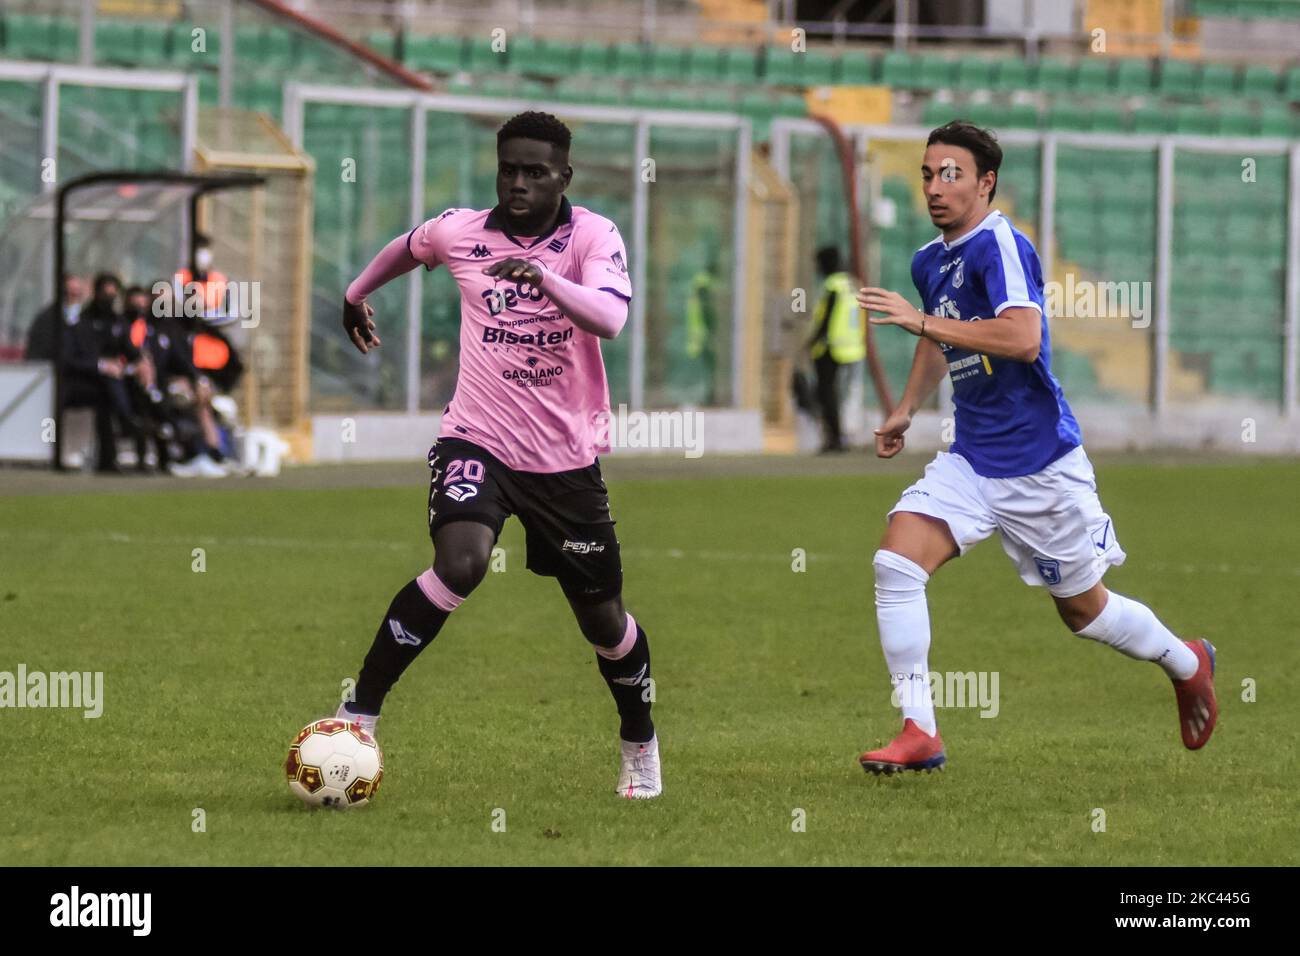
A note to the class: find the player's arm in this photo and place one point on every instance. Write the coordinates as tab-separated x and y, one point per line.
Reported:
928	369
601	312
1015	333
422	246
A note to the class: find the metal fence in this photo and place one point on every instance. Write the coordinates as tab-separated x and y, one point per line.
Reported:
1172	262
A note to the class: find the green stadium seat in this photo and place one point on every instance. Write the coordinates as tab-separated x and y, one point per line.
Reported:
480	57
1095	74
791	104
521	54
666	62
30	37
115	42
1235	121
1178	78
278	49
858	69
1054	75
935	72
1070	116
628	61
1152	119
382	42
1276	119
155	44
1259	81
1133	77
1196	120
974	73
1012	74
820	68
1108	118
898	69
740	67
1291	84
435	54
1217	79
782	66
705	64
67	39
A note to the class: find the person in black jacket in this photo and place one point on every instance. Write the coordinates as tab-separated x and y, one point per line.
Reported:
97	356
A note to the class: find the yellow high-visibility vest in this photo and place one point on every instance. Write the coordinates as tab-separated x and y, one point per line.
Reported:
844	329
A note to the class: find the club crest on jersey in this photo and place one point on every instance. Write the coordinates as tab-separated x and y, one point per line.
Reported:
959	276
1048	570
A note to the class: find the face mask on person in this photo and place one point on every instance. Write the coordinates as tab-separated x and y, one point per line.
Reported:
203	259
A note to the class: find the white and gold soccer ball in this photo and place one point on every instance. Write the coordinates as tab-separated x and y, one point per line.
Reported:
334	763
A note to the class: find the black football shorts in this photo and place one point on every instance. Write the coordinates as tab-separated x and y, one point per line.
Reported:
570	534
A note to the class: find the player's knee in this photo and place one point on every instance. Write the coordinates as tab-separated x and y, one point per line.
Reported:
460	569
601	624
897	578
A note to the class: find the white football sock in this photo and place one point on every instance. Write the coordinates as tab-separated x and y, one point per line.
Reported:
1131	628
904	620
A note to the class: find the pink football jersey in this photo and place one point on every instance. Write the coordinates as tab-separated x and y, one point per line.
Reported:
531	387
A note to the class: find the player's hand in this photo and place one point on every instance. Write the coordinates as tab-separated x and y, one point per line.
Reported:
112	367
893	309
889	436
356	321
516	270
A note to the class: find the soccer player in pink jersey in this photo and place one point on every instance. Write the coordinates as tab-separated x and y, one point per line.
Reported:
541	283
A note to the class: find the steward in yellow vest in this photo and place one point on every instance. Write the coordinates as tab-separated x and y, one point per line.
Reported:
836	339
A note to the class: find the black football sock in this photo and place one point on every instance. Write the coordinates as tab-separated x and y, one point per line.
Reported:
628	677
414	619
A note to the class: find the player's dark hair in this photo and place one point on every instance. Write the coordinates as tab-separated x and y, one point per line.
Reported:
828	260
106	278
983	145
535	125
202	239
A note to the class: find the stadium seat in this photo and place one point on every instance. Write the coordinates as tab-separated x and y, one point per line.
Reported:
1178	78
935	72
1277	119
382	42
1217	79
1054	75
740	67
1094	75
521	54
782	66
1069	115
898	69
1152	119
1259	81
974	73
666	62
705	64
1133	77
858	69
1012	74
1291	84
30	37
1236	121
628	61
480	57
436	54
820	68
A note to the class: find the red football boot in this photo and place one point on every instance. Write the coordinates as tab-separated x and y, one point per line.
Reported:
1197	709
913	749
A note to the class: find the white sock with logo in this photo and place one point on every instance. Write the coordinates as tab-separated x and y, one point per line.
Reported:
1133	629
904	621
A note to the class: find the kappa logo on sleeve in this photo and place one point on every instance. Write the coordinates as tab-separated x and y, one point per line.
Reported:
618	261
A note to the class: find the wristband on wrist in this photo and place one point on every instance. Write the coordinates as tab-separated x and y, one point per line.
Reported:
922	332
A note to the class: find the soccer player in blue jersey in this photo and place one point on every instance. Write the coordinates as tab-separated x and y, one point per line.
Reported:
1017	465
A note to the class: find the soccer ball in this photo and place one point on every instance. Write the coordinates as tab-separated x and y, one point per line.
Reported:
334	763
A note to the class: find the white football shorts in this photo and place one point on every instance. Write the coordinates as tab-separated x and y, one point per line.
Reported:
1051	523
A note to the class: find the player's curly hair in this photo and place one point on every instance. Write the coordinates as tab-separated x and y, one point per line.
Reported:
535	125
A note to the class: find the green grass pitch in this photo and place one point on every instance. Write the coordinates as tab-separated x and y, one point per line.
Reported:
769	683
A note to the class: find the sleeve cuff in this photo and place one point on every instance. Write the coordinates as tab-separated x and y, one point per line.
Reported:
1017	304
